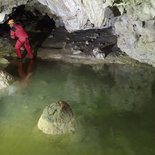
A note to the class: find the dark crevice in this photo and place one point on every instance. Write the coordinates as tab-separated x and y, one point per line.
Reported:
143	24
115	11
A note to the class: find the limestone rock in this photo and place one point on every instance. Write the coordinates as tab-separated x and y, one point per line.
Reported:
137	39
97	53
57	118
73	14
5	79
4	61
136	30
76	51
77	14
7	6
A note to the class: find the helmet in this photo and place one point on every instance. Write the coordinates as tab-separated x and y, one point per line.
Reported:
11	21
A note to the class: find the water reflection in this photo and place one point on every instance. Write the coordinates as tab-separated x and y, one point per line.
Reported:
113	105
25	73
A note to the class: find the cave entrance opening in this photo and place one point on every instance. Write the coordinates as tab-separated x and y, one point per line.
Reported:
37	25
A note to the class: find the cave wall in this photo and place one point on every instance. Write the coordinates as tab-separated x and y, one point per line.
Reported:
136	30
6	7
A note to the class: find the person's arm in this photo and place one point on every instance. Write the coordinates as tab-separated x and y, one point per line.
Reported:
12	33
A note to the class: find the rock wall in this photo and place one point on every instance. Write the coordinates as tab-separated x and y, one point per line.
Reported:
136	30
7	6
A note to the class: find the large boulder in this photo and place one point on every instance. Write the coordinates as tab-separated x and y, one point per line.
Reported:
5	79
57	118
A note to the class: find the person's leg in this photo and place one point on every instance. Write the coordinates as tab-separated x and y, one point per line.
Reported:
28	48
17	47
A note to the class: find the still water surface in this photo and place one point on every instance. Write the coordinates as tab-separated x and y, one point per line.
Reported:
114	106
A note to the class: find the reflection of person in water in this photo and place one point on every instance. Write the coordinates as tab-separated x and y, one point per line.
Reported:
24	75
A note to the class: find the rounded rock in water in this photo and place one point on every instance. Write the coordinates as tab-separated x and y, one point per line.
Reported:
57	118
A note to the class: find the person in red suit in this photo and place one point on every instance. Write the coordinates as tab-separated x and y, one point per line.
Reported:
17	31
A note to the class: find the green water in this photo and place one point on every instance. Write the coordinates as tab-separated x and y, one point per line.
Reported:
114	106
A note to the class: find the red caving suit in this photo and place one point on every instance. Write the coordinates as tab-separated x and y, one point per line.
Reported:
18	31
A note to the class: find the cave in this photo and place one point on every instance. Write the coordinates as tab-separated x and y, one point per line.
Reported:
81	80
48	34
118	29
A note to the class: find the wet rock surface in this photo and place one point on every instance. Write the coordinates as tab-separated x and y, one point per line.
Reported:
5	79
88	47
87	41
57	118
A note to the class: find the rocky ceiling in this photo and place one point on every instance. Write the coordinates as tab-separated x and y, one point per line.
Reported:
74	14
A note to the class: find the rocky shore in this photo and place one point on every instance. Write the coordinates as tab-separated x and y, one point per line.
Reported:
87	47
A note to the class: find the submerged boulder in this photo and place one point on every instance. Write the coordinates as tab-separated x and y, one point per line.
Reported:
57	118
